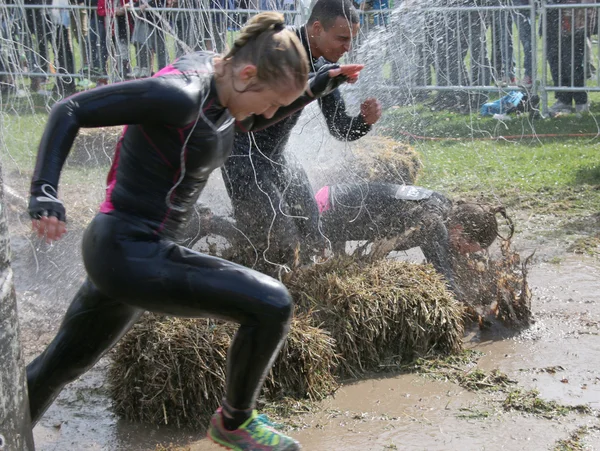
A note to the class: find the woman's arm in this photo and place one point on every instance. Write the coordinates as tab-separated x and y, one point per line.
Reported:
152	100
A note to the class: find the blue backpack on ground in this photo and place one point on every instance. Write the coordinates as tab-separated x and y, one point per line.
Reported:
503	105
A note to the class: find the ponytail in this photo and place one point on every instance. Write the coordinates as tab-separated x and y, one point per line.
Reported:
276	51
261	23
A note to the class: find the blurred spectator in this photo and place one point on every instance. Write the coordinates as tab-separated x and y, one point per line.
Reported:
289	6
80	32
119	29
502	58
372	13
64	61
216	34
97	33
149	38
188	26
523	20
40	34
456	34
565	42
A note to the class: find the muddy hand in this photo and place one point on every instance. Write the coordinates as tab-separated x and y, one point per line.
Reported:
370	110
350	71
49	227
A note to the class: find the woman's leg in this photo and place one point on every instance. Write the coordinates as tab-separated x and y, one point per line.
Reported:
92	325
160	276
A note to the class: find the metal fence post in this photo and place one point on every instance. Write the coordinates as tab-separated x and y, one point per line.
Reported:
544	80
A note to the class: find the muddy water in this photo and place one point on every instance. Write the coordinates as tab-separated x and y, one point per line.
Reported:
395	412
412	412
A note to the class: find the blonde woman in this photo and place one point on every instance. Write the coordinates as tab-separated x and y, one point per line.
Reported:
179	128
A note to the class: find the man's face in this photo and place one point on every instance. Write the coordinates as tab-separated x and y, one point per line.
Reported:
336	40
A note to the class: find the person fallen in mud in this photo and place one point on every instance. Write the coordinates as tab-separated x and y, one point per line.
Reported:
270	194
179	128
412	216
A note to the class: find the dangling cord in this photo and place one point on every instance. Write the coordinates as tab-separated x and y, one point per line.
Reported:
511	227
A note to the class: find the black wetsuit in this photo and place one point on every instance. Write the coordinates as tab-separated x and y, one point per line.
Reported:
177	134
259	179
415	215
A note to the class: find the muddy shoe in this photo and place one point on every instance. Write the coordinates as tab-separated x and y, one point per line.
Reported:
254	435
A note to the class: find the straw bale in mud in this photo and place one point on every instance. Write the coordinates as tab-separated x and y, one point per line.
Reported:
380	313
94	146
381	159
496	287
172	371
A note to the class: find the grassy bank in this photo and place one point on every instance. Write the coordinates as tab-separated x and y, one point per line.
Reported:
514	162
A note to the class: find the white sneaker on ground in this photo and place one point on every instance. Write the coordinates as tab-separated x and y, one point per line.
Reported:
583	108
559	108
135	73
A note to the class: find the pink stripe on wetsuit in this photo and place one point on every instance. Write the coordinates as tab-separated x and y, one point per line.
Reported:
323	201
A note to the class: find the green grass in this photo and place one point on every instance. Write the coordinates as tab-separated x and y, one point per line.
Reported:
530	402
20	135
548	174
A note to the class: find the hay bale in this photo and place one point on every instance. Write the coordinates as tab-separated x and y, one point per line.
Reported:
306	364
172	371
380	313
381	159
94	146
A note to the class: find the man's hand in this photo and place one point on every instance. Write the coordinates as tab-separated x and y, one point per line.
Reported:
370	110
330	76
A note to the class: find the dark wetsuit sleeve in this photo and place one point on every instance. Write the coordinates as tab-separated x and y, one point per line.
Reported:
341	125
152	100
256	123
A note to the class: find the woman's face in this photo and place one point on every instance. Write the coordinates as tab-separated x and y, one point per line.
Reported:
262	99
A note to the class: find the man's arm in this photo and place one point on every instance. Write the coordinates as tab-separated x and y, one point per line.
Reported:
327	78
340	124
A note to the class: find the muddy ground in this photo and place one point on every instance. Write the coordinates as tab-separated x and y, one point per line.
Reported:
558	356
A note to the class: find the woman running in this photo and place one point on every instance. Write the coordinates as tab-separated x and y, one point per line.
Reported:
179	127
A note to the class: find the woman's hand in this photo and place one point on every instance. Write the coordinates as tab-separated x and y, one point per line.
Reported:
49	227
47	212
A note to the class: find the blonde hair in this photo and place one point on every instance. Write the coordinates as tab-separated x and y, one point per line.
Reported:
276	51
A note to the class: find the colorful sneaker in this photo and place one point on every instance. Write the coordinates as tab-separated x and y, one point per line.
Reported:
265	419
254	435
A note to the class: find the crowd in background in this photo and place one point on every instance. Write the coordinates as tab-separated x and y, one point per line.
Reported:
122	39
480	48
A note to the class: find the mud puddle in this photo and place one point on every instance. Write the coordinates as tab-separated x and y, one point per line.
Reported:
558	356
